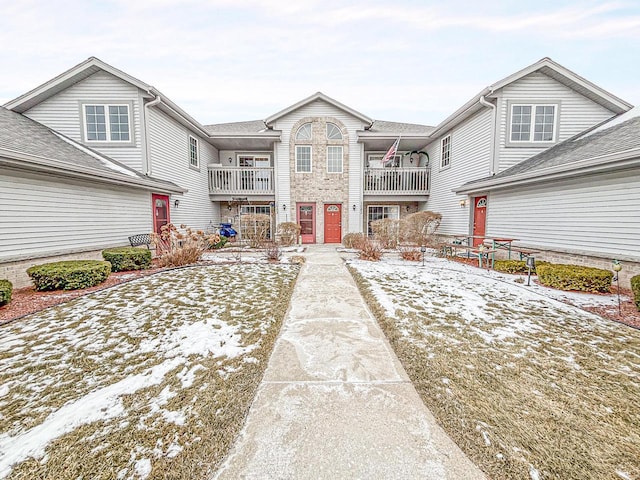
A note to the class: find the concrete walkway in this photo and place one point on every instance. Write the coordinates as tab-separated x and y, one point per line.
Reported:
335	401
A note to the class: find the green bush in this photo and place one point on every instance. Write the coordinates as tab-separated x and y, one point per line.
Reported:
635	288
575	277
514	266
69	275
6	289
127	258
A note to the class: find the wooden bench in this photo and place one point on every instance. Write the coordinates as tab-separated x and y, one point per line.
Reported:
524	252
140	239
449	249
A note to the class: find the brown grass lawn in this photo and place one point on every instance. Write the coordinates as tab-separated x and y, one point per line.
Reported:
148	379
528	387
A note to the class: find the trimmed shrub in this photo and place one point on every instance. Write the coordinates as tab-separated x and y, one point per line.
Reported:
514	266
386	232
635	288
575	277
6	290
354	240
411	254
288	233
127	258
419	228
69	275
370	251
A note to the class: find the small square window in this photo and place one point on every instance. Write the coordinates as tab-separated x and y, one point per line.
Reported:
533	123
107	123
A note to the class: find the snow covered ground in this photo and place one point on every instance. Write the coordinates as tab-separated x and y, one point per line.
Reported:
118	378
526	384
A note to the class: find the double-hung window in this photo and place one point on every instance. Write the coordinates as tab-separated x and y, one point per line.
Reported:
303	158
445	152
107	123
334	158
194	153
533	123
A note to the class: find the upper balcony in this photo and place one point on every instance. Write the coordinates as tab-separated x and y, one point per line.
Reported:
396	181
245	181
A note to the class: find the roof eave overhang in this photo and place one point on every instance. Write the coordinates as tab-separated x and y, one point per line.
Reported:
608	163
312	98
23	161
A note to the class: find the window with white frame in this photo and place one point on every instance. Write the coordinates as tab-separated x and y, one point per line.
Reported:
374	160
107	123
194	153
333	132
303	158
378	212
445	152
334	159
247	226
533	123
304	133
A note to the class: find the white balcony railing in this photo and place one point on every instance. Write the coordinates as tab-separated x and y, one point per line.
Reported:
241	180
396	181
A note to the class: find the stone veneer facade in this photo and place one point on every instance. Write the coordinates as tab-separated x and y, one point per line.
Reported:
319	186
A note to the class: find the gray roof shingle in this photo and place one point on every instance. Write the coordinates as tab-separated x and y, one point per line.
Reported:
383	126
23	135
251	126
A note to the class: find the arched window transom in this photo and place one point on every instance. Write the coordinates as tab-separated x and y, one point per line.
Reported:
304	132
333	132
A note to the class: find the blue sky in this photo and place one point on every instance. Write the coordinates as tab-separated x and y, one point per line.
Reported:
401	60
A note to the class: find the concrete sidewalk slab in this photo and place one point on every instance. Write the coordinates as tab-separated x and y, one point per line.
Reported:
335	401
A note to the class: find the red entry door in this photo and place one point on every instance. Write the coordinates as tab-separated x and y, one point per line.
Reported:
160	211
332	223
479	219
307	222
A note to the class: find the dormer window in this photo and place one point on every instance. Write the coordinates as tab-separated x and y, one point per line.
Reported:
532	123
333	132
107	123
304	132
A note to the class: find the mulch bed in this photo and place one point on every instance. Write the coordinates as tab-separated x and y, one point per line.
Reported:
629	314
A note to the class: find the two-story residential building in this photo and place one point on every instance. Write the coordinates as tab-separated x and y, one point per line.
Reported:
319	162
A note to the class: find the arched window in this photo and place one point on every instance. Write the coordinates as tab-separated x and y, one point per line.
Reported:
333	132
304	132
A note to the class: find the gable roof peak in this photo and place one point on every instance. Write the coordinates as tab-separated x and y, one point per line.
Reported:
317	96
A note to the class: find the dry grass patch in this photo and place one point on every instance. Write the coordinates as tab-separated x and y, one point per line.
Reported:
526	386
150	379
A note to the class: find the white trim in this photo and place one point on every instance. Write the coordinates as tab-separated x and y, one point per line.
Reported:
310	159
532	124
107	118
448	152
297	139
341	159
197	152
337	128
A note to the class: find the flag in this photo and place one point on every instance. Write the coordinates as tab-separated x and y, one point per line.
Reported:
387	160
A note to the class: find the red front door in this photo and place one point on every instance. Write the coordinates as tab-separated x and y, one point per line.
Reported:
307	222
332	223
160	211
479	218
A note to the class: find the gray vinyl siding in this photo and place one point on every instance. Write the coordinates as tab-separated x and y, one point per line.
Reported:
63	113
169	156
47	215
470	160
597	215
355	161
576	113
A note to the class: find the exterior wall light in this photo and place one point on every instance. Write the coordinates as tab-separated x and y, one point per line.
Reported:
284	206
176	203
463	203
354	207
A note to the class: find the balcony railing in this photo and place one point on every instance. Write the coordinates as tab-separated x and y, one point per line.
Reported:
241	180
396	181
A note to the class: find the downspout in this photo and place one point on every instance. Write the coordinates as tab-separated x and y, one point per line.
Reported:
483	102
152	103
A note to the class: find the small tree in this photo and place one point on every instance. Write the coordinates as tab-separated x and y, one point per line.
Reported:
255	228
419	228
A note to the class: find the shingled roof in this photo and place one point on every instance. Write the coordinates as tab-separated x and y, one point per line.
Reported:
601	146
27	143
